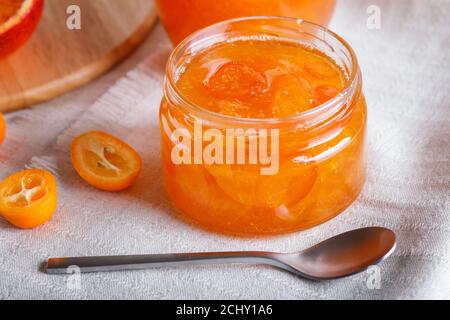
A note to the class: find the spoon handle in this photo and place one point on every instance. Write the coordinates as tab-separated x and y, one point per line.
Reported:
138	262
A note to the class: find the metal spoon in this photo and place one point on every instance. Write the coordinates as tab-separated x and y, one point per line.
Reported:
340	256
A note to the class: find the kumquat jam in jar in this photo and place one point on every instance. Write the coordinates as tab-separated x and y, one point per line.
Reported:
263	123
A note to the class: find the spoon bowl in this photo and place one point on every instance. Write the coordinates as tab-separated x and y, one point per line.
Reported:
343	255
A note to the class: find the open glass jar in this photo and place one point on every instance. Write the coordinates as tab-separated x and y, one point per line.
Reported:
320	152
182	17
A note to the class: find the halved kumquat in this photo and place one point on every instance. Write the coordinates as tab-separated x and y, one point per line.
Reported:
2	128
105	161
28	198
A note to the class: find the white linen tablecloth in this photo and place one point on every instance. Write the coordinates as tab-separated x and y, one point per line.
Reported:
406	69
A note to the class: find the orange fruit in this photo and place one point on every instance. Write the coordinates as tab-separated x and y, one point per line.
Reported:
105	161
28	198
18	20
2	128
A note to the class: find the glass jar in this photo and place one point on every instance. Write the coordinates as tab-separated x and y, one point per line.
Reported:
321	151
182	17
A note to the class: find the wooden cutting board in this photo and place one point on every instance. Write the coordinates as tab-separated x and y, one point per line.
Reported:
57	59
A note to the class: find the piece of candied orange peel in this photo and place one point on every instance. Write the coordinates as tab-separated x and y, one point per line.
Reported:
325	93
320	69
237	80
249	187
28	198
292	95
105	161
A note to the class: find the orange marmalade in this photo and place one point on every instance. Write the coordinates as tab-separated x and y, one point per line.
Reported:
291	84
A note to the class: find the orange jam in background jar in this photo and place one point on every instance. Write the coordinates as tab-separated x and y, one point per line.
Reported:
182	17
289	88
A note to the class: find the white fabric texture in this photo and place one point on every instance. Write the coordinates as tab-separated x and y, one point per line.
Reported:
406	70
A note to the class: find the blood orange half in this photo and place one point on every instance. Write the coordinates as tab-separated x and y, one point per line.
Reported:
18	19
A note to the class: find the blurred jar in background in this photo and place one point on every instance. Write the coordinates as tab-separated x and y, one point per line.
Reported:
182	17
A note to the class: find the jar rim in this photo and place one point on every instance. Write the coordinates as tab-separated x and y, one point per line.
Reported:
350	88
